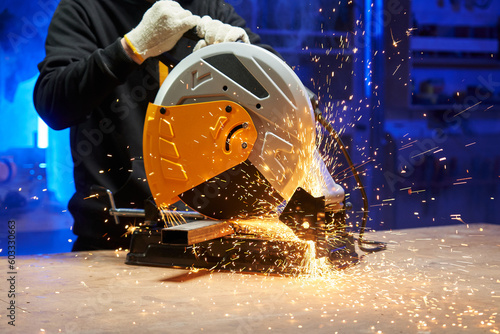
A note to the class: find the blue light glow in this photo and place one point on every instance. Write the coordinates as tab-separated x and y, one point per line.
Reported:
42	134
368	25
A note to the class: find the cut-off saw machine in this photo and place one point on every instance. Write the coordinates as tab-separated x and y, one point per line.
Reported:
232	134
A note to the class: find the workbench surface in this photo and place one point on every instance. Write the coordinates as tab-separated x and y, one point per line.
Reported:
430	280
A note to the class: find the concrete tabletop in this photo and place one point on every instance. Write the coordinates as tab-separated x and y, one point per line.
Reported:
429	280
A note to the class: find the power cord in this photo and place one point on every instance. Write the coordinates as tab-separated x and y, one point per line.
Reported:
376	245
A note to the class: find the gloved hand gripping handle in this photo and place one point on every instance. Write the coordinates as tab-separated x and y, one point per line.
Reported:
160	29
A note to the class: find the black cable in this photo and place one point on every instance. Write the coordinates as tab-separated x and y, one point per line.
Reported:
361	242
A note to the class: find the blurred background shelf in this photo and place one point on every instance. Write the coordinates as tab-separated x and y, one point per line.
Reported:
431	61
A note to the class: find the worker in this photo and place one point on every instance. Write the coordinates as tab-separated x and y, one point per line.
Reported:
104	63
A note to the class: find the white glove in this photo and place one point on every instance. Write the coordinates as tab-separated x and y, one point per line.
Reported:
160	29
214	31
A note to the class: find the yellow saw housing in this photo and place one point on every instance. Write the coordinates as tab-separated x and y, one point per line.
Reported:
186	145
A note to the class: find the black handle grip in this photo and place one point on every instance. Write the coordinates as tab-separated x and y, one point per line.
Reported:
192	35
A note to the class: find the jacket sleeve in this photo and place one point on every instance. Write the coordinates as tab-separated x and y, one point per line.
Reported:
76	74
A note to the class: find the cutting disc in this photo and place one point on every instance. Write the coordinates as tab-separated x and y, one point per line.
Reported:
279	107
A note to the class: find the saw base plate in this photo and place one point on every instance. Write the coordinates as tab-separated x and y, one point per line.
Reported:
236	253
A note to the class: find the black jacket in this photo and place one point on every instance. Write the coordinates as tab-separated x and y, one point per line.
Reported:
88	83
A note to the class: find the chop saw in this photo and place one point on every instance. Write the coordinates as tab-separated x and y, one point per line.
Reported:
232	134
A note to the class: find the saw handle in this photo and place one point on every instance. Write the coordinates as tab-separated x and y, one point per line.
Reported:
192	35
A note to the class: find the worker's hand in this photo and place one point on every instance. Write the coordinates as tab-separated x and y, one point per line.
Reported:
214	31
160	29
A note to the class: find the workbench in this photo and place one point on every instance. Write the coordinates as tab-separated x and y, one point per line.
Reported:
429	280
